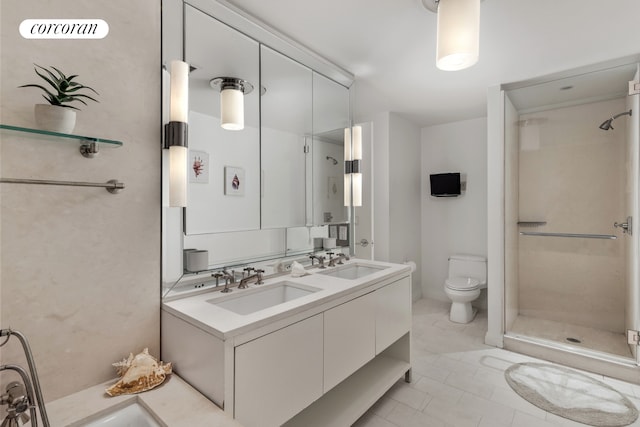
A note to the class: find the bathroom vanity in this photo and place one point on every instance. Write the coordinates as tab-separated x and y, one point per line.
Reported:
313	350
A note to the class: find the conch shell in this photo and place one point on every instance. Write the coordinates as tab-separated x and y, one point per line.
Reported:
138	373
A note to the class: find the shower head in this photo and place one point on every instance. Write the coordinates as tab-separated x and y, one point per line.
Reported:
606	125
335	162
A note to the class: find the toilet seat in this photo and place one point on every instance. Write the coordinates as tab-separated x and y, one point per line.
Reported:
462	284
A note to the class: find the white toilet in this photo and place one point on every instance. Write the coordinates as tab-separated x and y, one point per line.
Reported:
467	276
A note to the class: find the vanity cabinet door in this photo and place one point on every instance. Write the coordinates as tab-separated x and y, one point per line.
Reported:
279	374
349	339
393	313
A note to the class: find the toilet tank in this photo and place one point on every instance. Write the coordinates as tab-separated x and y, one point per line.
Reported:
474	266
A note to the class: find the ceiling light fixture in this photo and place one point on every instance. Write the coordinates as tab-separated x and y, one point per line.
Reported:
232	91
458	43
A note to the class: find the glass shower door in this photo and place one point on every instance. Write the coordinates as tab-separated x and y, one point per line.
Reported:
632	317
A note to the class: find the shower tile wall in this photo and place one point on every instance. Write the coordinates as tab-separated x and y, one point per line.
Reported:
572	175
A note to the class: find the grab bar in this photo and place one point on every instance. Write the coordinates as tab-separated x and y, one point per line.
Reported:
112	186
576	235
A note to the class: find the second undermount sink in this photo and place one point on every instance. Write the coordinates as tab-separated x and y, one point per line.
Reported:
130	415
352	271
247	302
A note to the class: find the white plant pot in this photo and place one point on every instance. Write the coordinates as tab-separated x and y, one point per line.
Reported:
55	118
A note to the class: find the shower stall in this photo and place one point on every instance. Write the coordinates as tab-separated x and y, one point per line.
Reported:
563	191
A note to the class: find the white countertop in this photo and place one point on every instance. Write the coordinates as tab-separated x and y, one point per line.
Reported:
199	309
174	402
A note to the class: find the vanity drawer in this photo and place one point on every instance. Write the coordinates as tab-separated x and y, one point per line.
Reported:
279	374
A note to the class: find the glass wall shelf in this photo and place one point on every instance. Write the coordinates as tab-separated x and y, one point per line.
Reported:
89	144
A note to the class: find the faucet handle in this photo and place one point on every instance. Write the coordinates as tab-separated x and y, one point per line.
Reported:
259	272
313	257
332	261
217	276
248	270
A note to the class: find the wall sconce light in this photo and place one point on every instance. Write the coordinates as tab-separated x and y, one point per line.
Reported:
232	91
175	133
352	158
458	42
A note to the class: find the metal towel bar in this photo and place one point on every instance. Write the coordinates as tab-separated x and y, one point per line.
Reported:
112	186
575	235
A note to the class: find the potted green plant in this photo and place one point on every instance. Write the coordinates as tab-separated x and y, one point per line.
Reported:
58	115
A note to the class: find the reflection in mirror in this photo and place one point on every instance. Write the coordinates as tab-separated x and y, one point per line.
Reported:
271	219
224	178
330	118
285	130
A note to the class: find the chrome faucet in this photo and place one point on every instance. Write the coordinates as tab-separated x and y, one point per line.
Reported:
341	257
244	283
26	396
321	261
228	278
332	260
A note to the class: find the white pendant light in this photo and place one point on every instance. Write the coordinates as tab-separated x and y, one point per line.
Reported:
458	31
176	133
232	109
232	91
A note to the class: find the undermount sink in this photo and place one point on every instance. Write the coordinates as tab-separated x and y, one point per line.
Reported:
352	271
133	415
247	302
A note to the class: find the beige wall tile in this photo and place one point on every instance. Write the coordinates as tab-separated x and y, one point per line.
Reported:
80	272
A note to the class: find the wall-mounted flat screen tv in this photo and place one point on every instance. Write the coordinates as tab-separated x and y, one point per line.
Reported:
445	184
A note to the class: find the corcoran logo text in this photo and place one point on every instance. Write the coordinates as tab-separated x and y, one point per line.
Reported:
64	29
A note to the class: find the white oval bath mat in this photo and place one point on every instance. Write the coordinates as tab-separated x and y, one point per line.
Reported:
571	395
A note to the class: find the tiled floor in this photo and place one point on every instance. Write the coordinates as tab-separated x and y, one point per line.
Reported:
458	381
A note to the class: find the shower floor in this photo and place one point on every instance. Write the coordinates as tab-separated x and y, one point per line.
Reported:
590	338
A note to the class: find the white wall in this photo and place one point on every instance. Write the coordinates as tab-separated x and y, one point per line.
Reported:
80	268
380	174
397	193
453	225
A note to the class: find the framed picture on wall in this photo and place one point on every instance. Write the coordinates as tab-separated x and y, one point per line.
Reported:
234	181
198	167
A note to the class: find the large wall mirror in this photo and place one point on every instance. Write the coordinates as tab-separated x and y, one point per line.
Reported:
286	130
289	158
330	118
215	50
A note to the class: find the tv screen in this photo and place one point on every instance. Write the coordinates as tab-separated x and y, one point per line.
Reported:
445	184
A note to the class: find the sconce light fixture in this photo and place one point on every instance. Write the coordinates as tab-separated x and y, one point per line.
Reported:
232	91
175	133
352	158
458	31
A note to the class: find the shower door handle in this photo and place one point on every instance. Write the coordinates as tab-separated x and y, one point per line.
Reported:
626	226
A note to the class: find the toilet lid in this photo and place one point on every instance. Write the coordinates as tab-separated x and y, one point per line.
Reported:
462	283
